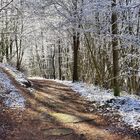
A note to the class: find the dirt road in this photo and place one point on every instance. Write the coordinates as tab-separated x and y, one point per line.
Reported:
55	112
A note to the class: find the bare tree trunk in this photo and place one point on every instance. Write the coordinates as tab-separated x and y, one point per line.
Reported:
76	41
2	50
59	60
53	63
115	50
75	57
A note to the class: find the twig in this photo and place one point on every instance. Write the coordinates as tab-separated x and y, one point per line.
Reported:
6	5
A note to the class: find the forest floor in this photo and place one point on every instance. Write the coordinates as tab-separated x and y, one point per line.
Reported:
55	112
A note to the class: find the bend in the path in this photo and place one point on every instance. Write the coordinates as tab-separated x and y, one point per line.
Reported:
53	112
68	108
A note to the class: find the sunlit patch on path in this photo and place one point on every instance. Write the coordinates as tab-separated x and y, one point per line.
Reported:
66	118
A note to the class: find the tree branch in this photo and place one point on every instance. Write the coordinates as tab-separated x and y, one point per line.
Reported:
6	5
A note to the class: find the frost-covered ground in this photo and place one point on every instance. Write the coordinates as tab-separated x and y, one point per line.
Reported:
10	95
17	75
128	106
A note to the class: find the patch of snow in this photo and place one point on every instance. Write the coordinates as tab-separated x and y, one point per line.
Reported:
89	91
12	97
5	81
127	105
15	100
129	108
19	77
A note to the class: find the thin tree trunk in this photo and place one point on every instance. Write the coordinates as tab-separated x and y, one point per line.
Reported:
59	60
115	51
75	57
53	63
76	41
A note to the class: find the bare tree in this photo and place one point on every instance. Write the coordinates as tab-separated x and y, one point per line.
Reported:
115	49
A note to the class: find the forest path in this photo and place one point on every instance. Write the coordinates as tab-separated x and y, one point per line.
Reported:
55	112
